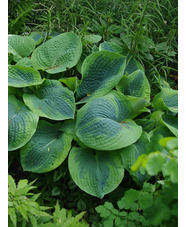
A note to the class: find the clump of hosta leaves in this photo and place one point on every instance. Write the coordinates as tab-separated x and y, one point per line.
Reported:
50	107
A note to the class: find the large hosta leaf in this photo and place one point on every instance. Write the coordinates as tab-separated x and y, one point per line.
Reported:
131	153
101	71
22	123
96	172
46	150
58	54
19	76
52	100
167	99
135	84
131	63
104	123
20	46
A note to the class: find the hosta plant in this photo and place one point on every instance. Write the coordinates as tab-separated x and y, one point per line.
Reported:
93	119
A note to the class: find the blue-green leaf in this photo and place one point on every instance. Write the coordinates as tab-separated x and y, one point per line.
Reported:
20	46
46	150
136	84
167	99
58	54
52	100
19	76
131	153
96	172
22	123
101	71
104	123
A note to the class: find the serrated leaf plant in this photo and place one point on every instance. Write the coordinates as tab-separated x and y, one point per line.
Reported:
90	116
23	210
64	218
145	207
22	205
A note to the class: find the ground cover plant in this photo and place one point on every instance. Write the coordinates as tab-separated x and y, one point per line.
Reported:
93	116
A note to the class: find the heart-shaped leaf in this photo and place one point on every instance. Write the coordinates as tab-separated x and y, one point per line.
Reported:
52	100
104	123
22	123
167	99
136	84
20	46
46	150
19	76
96	172
101	71
131	153
58	54
131	63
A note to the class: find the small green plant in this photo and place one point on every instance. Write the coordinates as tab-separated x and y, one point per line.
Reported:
23	210
147	207
22	205
154	205
64	218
